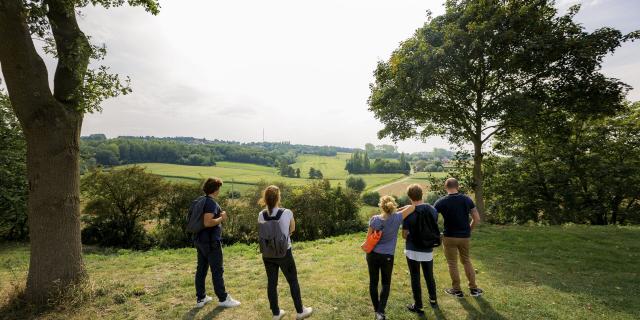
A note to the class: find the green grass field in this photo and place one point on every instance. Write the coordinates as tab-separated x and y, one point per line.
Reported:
244	175
573	272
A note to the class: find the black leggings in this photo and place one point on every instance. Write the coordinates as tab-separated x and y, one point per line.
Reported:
379	264
288	267
427	270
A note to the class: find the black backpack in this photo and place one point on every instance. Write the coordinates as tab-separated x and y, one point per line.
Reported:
195	217
424	233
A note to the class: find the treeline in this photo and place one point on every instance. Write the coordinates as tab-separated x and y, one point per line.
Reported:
360	163
114	215
98	150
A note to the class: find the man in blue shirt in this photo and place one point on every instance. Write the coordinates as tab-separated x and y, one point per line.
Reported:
417	256
455	209
208	243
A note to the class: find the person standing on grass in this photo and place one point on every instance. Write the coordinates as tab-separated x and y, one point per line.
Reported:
208	243
423	219
455	209
380	259
275	226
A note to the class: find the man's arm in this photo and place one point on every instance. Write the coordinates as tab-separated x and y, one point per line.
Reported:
405	233
475	218
210	221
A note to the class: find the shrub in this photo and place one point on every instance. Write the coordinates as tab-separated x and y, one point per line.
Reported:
118	202
172	215
13	170
356	184
431	197
403	200
371	198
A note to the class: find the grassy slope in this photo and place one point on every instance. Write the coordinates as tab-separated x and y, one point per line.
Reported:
245	175
574	272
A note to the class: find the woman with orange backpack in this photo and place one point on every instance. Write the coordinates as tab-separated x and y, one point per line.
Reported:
380	247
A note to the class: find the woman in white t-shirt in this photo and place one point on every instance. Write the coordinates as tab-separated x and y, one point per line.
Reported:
271	200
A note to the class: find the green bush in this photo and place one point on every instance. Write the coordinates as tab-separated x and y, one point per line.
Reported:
371	198
172	215
13	170
356	184
403	200
432	197
118	202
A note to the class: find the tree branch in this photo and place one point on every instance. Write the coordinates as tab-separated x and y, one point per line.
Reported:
73	50
24	70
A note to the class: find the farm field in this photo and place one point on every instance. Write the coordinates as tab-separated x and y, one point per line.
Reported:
527	272
245	176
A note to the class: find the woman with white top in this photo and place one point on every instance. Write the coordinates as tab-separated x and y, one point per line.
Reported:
271	200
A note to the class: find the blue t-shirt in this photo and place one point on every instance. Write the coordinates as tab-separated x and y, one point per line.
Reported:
412	219
208	235
455	209
389	227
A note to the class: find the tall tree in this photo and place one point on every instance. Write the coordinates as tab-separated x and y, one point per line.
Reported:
484	66
51	122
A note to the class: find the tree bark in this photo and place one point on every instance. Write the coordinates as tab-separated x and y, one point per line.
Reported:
54	204
478	178
52	130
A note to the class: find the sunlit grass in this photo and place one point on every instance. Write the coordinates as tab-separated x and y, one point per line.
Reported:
575	272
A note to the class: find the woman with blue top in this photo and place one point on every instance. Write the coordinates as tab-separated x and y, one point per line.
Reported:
380	259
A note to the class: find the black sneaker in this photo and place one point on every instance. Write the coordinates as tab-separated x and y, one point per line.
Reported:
414	309
453	292
433	303
476	292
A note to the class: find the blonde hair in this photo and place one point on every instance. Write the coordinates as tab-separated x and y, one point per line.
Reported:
270	197
388	205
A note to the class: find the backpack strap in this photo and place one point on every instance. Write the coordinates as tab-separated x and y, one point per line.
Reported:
266	216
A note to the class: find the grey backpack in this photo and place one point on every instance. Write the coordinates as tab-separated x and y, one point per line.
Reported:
273	243
195	218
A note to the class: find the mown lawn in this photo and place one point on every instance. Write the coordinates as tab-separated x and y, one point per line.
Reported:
573	272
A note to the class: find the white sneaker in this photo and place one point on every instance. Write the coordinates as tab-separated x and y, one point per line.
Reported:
229	303
280	315
202	302
306	313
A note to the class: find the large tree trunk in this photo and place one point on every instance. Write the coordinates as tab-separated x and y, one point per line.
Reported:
54	205
51	124
478	179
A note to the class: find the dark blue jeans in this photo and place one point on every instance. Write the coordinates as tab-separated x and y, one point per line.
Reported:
210	256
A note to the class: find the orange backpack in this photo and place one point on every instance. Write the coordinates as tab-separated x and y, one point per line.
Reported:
372	240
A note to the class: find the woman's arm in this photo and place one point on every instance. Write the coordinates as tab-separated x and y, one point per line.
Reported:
292	224
210	221
407	210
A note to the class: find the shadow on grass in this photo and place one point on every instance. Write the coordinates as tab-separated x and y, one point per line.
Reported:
211	315
439	314
486	311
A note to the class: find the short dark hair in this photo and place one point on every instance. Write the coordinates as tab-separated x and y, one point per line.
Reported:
414	192
211	185
451	183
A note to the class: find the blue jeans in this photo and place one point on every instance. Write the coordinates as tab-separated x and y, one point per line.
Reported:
210	256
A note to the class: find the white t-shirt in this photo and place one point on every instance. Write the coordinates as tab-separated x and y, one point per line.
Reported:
285	220
418	256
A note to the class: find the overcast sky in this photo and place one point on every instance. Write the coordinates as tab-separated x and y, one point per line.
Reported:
299	69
